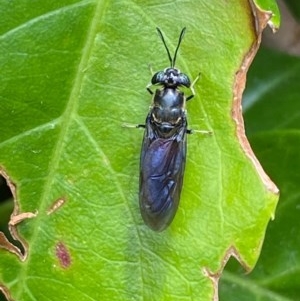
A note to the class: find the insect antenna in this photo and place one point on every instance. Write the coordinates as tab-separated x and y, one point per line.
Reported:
179	42
172	61
163	40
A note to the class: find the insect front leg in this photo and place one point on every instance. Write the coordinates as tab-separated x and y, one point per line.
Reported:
150	84
192	87
148	88
136	126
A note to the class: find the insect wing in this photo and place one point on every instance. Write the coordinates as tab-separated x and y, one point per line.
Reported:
161	175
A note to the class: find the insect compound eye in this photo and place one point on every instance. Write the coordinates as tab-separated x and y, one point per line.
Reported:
158	78
184	80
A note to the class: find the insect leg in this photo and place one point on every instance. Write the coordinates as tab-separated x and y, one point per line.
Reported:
137	126
130	125
204	132
150	84
151	70
192	88
148	88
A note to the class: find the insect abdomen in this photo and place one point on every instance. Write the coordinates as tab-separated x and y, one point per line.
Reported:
161	176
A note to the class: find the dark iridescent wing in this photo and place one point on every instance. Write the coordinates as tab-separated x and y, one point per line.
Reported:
161	175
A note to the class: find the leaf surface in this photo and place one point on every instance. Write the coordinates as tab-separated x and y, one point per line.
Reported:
71	74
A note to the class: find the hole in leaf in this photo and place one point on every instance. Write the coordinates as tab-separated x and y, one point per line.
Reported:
5	192
6	209
2	297
2	294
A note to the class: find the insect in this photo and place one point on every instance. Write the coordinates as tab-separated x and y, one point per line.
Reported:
163	153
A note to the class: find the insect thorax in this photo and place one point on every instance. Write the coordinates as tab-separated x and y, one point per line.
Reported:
168	111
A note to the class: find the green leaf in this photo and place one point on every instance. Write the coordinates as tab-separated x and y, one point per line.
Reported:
71	74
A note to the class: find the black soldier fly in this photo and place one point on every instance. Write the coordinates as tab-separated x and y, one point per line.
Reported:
163	153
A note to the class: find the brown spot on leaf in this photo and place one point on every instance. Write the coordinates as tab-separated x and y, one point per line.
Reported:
63	255
16	219
56	205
